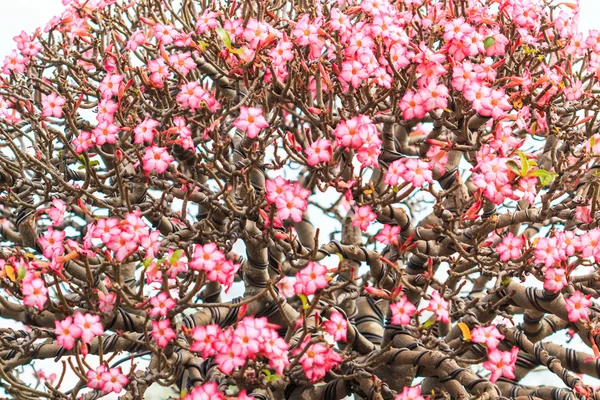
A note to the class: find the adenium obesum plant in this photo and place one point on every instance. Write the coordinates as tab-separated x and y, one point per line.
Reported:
377	199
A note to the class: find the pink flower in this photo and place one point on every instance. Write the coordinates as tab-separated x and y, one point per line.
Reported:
14	62
52	105
113	380
66	333
556	279
136	39
161	304
510	247
412	105
110	85
106	302
52	243
389	234
162	332
57	212
182	62
83	142
35	293
207	21
95	377
318	152
337	326
354	73
577	306
318	360
157	159
310	279
145	131
439	306
251	121
291	204
416	171
105	132
90	326
488	335
546	251
363	216
205	338
410	393
208	391
231	356
206	257
402	311
501	363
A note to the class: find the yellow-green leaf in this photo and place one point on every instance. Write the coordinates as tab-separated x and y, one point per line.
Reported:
305	304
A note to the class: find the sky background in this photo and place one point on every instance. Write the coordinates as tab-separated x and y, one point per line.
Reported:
28	14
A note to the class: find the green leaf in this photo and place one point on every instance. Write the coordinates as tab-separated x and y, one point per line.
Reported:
21	272
540	173
94	163
592	141
488	42
224	35
506	281
175	257
524	163
305	304
513	166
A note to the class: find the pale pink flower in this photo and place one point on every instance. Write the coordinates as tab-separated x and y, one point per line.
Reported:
363	216
52	105
161	304
251	121
66	333
410	393
402	311
488	335
577	306
337	326
90	326
556	279
157	159
162	332
501	363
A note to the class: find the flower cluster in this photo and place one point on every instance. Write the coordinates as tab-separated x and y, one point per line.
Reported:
126	236
232	348
317	359
210	259
84	326
290	199
360	133
107	380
